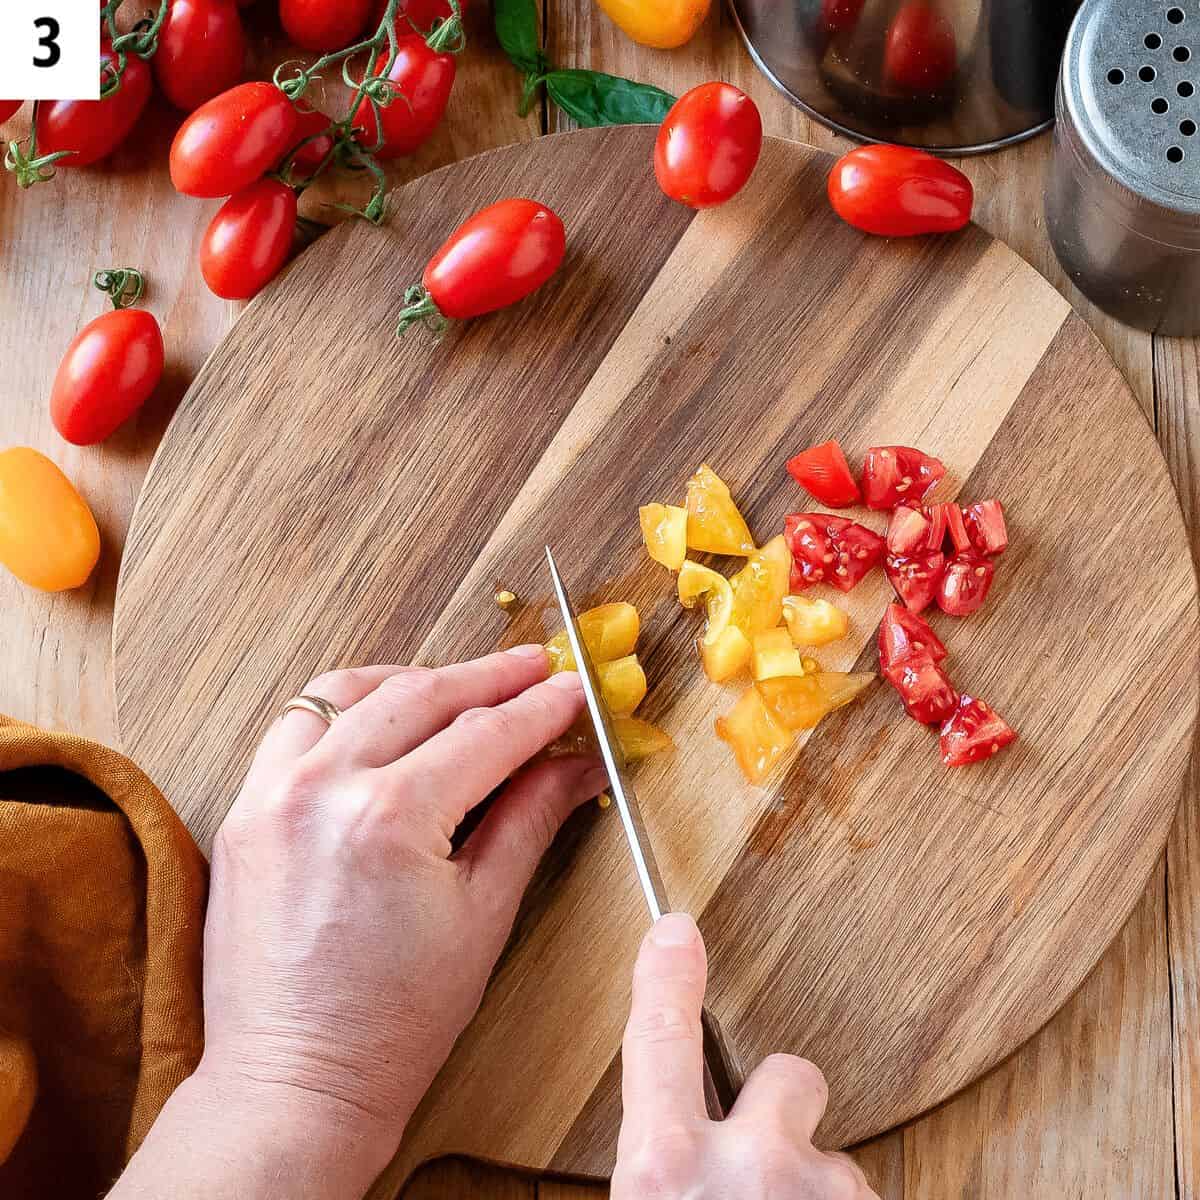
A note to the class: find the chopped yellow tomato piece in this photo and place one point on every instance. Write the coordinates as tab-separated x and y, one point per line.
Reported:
758	740
801	702
640	739
623	683
810	665
760	586
664	530
609	632
695	583
774	654
714	524
814	622
727	656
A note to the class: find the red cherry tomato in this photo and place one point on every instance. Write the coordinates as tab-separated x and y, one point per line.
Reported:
905	638
232	139
965	585
93	129
829	549
892	474
106	375
895	191
249	240
8	108
708	145
494	259
201	50
928	694
916	577
839	16
423	78
311	123
321	25
824	473
974	732
985	527
919	53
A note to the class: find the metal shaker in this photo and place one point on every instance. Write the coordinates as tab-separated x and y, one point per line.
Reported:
1123	193
955	76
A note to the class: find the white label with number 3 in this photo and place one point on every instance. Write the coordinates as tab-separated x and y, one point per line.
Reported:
50	49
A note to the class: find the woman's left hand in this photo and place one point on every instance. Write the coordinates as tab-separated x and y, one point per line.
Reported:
346	946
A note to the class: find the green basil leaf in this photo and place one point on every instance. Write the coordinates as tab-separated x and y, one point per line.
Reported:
594	98
516	24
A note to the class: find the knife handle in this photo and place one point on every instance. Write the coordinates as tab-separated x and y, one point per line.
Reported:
722	1079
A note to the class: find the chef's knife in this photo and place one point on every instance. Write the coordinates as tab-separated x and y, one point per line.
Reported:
720	1088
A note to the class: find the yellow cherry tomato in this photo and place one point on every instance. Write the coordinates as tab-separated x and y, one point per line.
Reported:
663	24
48	536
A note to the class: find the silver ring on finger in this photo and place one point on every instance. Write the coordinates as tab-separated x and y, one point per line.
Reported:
317	705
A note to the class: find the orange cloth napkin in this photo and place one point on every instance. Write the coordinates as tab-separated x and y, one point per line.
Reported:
102	896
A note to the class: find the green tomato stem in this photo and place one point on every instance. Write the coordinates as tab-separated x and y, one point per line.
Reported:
124	286
419	307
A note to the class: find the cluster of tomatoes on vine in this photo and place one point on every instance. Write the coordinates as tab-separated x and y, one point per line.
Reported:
258	143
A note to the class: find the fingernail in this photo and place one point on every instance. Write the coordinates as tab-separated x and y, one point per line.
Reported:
567	680
674	929
531	650
594	782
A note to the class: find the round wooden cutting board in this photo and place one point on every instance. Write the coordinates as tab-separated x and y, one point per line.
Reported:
328	495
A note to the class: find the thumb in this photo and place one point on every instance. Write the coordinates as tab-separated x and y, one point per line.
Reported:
504	851
662	1056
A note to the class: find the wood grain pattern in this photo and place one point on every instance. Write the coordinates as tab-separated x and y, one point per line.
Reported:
454	1179
1177	368
906	946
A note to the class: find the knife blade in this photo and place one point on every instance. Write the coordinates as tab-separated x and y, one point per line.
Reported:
720	1075
611	754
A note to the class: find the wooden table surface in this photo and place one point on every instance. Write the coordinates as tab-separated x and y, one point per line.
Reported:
1105	1101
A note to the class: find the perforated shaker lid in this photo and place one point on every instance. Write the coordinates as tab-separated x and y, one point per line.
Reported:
1131	86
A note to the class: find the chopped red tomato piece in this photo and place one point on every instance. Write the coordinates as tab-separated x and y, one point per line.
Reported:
965	584
937	526
985	526
974	732
829	549
892	474
908	530
956	527
906	638
928	694
916	577
824	473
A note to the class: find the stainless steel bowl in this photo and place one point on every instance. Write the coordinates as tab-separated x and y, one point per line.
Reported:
954	76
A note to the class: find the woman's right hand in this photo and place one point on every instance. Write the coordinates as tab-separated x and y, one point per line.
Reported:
669	1149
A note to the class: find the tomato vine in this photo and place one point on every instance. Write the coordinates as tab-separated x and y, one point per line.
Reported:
374	89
